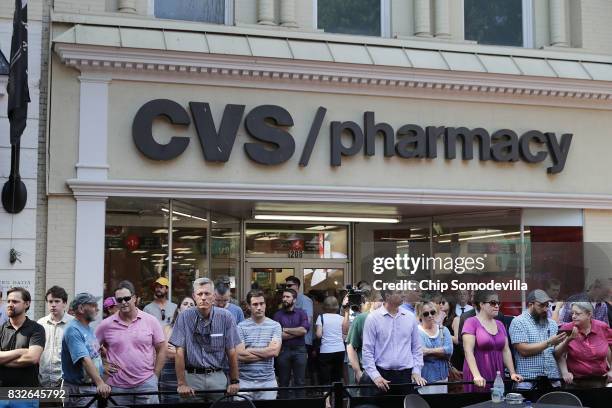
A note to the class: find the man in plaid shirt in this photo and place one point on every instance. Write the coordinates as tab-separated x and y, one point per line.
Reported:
596	294
534	337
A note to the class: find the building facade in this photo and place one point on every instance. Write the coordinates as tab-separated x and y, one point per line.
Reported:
22	232
262	139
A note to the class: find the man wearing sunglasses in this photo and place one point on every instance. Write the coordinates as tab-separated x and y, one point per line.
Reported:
135	349
161	307
534	336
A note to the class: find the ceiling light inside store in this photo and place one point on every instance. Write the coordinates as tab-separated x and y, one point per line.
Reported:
144	259
115	249
191	237
163	231
184	264
322	227
158	254
191	259
182	214
139	251
316	218
505	234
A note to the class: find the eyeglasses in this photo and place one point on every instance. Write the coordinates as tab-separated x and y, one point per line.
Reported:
427	314
163	314
494	303
124	299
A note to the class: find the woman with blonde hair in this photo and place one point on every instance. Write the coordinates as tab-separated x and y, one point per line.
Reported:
437	344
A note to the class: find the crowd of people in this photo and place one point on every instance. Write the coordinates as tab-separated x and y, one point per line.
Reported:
387	338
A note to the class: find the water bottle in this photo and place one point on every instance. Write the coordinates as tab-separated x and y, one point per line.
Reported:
497	392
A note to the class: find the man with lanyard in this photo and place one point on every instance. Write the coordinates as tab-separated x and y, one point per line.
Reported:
204	337
534	337
391	350
54	323
82	366
161	307
21	342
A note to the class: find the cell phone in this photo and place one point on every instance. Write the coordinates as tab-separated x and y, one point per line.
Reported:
566	331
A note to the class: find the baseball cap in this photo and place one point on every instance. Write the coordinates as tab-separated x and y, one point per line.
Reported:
538	295
84	298
109	302
162	281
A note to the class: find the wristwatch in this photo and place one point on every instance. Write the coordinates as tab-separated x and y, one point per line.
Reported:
234	381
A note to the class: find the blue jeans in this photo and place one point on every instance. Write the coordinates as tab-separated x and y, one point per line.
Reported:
292	359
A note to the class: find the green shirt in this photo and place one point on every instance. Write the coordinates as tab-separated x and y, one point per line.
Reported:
355	335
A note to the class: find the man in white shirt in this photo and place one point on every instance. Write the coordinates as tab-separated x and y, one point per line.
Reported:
50	369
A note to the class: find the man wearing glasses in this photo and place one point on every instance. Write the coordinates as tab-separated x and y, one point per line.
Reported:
161	307
204	337
135	349
535	336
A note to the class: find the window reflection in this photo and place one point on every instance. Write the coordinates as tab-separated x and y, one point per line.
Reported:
297	241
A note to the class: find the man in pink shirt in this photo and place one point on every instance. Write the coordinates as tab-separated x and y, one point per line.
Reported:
135	349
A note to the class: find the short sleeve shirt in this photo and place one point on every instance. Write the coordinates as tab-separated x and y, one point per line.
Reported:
586	355
524	329
255	335
79	342
132	347
236	311
331	342
205	340
29	334
154	310
355	335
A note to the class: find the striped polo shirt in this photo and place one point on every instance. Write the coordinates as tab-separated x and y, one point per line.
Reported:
260	335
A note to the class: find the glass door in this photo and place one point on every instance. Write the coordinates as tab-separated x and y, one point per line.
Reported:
270	277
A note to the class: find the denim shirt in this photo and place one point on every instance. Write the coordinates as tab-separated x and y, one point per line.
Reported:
435	368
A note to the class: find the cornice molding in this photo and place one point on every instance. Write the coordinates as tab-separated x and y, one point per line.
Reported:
273	192
315	76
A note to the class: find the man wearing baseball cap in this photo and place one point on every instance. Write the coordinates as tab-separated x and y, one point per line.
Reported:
82	367
534	337
162	308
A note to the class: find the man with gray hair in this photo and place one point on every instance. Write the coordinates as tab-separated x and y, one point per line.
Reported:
204	336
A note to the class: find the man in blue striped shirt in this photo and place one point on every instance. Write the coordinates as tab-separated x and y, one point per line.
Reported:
261	341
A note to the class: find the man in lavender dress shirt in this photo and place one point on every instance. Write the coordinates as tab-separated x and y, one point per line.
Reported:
391	351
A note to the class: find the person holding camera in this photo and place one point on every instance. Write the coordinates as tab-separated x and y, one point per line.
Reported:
329	330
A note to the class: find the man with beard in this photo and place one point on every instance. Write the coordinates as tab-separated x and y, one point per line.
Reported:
292	358
82	367
535	336
21	342
161	307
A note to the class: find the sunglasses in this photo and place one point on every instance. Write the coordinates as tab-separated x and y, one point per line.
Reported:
124	299
494	303
442	302
163	314
427	314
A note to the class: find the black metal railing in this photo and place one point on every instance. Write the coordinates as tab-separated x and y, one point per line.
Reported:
339	393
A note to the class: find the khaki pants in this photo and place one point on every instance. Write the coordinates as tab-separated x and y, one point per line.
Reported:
74	400
202	382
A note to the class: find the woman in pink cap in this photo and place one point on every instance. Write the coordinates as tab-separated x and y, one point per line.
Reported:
110	306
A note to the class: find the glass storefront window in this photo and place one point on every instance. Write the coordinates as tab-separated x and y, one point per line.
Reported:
189	247
313	241
136	244
225	249
361	17
410	237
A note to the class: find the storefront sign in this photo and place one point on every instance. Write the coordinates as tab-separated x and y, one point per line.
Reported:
269	125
